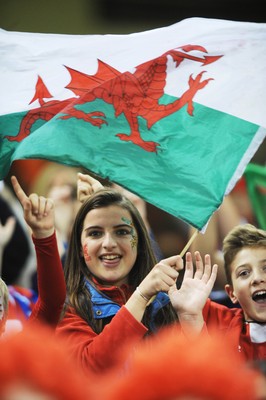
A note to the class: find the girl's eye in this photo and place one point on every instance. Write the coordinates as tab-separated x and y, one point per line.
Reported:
94	233
123	232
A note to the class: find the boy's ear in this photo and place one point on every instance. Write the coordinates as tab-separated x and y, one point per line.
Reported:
230	292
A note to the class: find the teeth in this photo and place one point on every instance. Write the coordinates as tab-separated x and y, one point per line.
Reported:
110	257
261	292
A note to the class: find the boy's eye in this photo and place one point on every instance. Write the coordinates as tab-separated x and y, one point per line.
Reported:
243	273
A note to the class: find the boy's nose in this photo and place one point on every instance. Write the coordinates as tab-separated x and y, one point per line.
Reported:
259	277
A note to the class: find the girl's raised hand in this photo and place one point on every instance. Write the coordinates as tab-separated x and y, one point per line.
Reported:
38	211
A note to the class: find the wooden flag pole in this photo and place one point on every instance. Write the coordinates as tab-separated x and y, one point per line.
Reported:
181	254
189	243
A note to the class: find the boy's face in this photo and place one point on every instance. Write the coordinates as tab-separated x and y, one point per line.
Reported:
248	273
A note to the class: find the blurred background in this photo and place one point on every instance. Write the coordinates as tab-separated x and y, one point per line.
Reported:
118	16
121	17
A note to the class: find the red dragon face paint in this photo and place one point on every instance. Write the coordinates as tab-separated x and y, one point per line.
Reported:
86	255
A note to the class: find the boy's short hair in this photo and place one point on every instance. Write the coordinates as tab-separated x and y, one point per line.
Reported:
245	235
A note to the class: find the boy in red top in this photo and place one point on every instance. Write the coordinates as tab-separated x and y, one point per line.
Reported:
244	250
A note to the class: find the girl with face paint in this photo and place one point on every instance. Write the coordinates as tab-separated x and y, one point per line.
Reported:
116	290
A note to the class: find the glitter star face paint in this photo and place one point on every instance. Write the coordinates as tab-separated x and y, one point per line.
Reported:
109	244
134	238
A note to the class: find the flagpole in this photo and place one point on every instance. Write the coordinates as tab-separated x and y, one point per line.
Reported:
189	243
181	254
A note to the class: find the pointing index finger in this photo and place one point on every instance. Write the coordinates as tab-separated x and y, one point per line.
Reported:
21	195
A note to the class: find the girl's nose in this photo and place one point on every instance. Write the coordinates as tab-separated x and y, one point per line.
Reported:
109	241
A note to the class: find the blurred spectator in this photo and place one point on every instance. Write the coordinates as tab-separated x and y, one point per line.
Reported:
167	367
18	258
59	182
23	303
210	242
36	366
15	253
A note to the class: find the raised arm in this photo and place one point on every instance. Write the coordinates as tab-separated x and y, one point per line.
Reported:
38	211
194	291
39	215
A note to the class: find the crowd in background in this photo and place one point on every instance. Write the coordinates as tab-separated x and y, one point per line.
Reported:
164	365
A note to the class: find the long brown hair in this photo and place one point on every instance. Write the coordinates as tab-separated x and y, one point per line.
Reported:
76	270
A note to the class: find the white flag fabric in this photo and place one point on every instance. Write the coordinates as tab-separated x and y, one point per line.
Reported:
174	114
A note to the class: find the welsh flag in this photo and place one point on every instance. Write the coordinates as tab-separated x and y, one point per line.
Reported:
255	176
173	114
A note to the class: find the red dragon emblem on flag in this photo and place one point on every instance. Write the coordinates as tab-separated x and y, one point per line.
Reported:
132	94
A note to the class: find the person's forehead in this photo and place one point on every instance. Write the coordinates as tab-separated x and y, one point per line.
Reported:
250	255
108	215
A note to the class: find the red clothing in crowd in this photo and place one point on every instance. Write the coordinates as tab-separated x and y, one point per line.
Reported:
98	353
21	303
51	286
248	338
51	282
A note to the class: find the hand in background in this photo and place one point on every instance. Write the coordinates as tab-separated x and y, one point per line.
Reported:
86	186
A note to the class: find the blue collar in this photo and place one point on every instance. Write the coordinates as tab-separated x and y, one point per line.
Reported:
104	307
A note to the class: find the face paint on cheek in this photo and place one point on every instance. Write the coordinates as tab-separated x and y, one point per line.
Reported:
87	257
134	239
